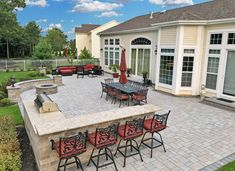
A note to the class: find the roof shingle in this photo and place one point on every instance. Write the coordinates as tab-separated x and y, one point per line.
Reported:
86	28
212	10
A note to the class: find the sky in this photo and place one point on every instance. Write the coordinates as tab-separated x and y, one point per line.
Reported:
68	14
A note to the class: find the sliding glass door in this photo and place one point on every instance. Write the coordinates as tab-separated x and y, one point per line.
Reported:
229	80
140	61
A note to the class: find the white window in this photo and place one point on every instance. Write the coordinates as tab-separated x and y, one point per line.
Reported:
212	68
111	51
187	68
231	38
216	39
166	66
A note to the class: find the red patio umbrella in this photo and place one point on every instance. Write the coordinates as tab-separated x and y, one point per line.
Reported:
123	79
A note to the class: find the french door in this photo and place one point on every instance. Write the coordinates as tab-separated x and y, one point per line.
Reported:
229	80
140	60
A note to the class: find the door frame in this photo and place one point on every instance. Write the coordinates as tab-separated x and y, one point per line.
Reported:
221	91
137	53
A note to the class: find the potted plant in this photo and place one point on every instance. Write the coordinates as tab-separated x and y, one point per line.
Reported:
114	68
145	76
128	72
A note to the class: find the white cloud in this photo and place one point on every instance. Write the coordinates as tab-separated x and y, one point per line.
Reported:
51	26
109	14
94	6
72	21
41	21
72	31
41	3
61	21
171	2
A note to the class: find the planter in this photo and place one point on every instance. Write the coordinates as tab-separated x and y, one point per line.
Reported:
115	75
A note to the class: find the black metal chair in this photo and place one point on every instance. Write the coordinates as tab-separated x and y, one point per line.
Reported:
140	96
155	125
101	140
121	97
108	80
70	147
80	71
128	133
104	89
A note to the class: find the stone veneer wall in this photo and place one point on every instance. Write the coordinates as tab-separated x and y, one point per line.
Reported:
14	92
47	159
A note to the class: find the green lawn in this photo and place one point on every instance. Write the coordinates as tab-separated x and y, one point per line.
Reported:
19	75
228	167
12	111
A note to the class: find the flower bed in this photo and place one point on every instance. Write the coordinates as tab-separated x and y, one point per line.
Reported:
10	154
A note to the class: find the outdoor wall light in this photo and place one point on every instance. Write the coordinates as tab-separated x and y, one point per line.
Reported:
13	81
101	49
155	51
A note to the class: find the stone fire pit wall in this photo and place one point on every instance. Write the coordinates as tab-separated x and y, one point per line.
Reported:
41	128
14	92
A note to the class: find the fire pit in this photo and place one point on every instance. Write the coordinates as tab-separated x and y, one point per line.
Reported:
46	88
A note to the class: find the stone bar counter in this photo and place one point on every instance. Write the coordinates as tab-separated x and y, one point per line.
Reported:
41	128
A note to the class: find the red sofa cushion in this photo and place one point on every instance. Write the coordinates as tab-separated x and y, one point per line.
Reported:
89	66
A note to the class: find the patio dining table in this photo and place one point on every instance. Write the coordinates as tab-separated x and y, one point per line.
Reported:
126	88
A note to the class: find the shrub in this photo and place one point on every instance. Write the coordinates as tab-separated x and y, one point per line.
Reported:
32	74
5	102
43	50
10	154
2	95
3	86
85	54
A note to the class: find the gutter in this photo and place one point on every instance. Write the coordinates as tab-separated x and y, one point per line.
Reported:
156	26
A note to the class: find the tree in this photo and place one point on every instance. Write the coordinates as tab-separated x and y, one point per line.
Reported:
8	22
57	39
43	50
85	54
10	5
32	30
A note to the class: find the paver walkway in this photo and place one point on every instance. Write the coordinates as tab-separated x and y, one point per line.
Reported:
198	134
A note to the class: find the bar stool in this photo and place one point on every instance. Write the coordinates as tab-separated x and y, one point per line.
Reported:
155	125
70	147
129	132
101	140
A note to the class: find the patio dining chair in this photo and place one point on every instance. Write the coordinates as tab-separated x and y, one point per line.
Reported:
80	71
110	93
155	125
108	80
140	96
68	148
121	97
101	140
128	133
104	89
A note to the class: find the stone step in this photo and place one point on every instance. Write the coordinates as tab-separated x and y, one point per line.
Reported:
220	103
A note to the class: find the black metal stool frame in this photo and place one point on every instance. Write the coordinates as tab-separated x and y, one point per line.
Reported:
162	118
138	123
82	138
111	130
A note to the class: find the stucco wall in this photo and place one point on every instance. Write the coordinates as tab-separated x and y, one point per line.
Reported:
95	43
82	40
125	41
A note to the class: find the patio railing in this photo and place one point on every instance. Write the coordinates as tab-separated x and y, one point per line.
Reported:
28	64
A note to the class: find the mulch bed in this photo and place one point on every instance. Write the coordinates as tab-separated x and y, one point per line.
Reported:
28	159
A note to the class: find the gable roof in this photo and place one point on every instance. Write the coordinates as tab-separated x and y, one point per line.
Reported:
212	10
86	28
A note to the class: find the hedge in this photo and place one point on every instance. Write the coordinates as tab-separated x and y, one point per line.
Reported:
10	153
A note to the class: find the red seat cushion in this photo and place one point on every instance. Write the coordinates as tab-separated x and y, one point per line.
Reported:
89	67
131	132
123	96
69	148
156	126
138	97
102	140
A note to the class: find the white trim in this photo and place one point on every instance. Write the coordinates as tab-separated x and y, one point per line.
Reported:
157	83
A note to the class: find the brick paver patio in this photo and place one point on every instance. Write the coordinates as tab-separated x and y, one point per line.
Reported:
198	134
